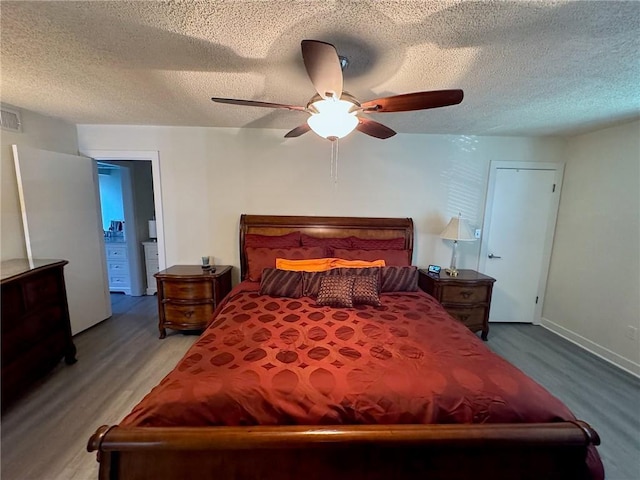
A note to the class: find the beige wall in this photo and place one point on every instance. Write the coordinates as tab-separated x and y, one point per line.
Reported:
41	132
212	175
209	176
593	291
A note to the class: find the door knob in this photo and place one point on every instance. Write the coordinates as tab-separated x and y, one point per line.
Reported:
491	255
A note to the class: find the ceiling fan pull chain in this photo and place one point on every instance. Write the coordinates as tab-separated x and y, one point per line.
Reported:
334	161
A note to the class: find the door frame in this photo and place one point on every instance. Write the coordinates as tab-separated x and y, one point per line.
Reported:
154	157
496	165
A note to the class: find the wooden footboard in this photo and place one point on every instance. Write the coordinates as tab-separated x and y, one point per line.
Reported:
495	451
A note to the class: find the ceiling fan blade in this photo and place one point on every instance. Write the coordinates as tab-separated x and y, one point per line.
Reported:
414	101
299	130
374	129
255	103
323	67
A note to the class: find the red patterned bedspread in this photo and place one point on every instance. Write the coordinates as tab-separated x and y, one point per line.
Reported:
267	361
278	361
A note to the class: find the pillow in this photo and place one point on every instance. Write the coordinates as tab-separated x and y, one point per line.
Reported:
398	258
311	283
272	241
311	280
399	279
328	242
377	244
259	258
308	265
342	263
365	290
281	283
336	291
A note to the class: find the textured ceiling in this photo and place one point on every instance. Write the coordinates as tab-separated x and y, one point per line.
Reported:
527	68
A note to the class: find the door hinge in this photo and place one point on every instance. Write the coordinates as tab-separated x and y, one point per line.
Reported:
536	299
554	188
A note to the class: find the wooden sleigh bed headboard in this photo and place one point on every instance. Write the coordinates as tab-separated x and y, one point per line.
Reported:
346	452
326	227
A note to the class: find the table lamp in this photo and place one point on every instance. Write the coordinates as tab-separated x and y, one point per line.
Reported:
457	230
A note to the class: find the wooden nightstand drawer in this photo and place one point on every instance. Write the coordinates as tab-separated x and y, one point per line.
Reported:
464	294
472	317
188	315
186	290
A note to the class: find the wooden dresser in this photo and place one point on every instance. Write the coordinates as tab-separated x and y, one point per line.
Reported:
466	297
36	332
188	295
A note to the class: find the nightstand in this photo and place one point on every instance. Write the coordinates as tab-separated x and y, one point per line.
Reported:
189	294
466	297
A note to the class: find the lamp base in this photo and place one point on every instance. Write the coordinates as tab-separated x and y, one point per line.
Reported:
452	272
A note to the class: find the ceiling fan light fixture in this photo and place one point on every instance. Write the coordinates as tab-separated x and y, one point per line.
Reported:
333	118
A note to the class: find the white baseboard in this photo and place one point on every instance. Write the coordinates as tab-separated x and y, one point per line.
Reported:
592	347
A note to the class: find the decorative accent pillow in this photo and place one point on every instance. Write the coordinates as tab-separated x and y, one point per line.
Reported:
399	279
311	280
398	258
259	258
309	265
365	290
281	283
272	241
377	244
336	291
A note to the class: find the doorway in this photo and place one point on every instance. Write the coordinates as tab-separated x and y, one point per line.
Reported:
126	198
520	218
142	156
154	158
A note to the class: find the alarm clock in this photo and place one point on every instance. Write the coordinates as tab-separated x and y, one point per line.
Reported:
434	269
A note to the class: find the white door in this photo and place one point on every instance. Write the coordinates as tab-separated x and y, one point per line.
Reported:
61	218
520	217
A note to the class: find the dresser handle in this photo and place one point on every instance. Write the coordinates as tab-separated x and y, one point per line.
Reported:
466	293
189	313
463	318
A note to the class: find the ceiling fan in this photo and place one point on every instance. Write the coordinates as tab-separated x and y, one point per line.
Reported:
334	113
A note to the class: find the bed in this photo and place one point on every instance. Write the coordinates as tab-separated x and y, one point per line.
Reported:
283	385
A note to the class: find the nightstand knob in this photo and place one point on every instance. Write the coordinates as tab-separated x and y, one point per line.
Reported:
466	293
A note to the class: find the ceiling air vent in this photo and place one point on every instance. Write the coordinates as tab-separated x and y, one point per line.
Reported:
10	120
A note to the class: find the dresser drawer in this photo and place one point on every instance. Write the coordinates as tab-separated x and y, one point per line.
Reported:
119	281
117	268
153	266
117	252
151	253
464	294
196	316
183	290
11	304
472	317
41	290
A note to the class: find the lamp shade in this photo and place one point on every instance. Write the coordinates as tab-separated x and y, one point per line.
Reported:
458	230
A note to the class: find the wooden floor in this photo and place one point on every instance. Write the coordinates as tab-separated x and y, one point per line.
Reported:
44	436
